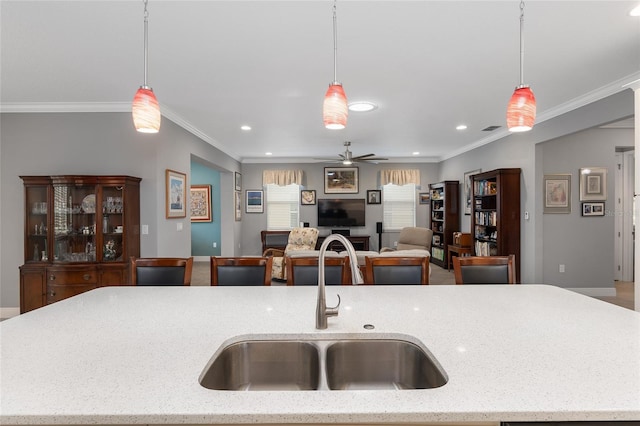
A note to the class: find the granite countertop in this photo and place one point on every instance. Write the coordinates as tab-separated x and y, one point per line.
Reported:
133	355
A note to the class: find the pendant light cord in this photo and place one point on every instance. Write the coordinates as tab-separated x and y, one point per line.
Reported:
335	43
522	43
146	43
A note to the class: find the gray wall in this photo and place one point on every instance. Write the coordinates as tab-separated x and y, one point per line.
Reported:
97	143
585	245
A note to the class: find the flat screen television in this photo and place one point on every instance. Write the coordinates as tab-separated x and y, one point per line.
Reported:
341	212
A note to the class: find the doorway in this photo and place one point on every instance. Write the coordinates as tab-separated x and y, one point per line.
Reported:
624	215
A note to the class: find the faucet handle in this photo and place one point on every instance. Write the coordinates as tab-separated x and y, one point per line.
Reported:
333	311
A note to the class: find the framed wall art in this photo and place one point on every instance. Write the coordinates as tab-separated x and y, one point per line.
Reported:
254	202
237	202
175	194
557	194
374	196
200	203
308	197
593	184
466	186
424	197
238	181
593	209
340	180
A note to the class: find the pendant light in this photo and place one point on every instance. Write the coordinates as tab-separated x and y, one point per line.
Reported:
145	108
521	111
335	109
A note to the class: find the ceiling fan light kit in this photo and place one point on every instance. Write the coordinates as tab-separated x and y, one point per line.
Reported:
334	109
145	108
521	111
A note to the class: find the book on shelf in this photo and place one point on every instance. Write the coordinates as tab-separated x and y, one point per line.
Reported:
485	187
437	253
485	248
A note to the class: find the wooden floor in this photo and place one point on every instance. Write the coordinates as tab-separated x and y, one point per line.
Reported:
439	276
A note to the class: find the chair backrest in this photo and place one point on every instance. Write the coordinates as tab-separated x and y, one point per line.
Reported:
397	270
304	270
274	239
415	238
484	269
302	239
241	271
160	271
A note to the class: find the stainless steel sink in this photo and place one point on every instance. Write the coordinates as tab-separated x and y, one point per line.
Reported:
380	364
264	365
321	363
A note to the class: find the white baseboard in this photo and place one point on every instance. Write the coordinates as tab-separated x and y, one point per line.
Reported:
594	291
6	313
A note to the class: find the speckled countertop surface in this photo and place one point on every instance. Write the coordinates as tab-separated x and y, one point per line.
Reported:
127	355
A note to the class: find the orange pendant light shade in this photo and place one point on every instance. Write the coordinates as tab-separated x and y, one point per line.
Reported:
146	111
335	109
521	111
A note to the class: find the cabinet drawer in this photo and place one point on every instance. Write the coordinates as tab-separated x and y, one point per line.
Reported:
57	292
85	276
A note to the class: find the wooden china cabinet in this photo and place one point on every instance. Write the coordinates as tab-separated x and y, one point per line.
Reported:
79	232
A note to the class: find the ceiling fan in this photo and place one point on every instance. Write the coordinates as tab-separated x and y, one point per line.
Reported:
347	157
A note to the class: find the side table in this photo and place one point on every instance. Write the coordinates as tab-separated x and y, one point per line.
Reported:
459	250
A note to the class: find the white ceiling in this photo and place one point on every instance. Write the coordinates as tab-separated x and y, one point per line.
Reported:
216	65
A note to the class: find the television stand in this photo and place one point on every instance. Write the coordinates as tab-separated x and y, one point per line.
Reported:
359	242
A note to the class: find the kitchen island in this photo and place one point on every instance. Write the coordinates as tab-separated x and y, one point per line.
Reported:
133	355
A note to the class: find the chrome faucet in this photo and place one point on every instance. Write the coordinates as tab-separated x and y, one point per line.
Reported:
322	311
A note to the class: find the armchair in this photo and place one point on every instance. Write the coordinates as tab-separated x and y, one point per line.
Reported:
412	238
299	239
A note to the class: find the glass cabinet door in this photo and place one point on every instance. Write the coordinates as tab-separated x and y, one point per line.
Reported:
112	225
36	249
74	223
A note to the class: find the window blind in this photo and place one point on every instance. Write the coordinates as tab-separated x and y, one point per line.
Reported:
283	206
398	206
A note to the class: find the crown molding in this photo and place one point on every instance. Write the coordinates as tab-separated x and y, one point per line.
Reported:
630	81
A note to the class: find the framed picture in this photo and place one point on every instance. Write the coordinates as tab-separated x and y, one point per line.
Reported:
593	184
238	181
237	202
374	196
340	180
593	209
255	201
424	197
200	203
308	197
557	194
467	184
175	194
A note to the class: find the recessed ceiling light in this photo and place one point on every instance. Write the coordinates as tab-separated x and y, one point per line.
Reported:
416	153
635	11
268	153
461	127
362	106
245	127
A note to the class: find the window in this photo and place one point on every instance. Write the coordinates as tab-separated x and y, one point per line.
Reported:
398	206
283	206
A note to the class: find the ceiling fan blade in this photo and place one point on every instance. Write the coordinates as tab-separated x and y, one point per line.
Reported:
370	159
364	156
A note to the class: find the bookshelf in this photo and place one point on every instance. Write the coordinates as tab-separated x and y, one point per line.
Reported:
495	220
444	218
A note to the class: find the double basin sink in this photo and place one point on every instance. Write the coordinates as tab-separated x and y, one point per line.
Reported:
322	364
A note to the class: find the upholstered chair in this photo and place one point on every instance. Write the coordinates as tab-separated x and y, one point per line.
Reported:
299	239
412	238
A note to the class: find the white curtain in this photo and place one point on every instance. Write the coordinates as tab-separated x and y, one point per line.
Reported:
400	177
282	177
